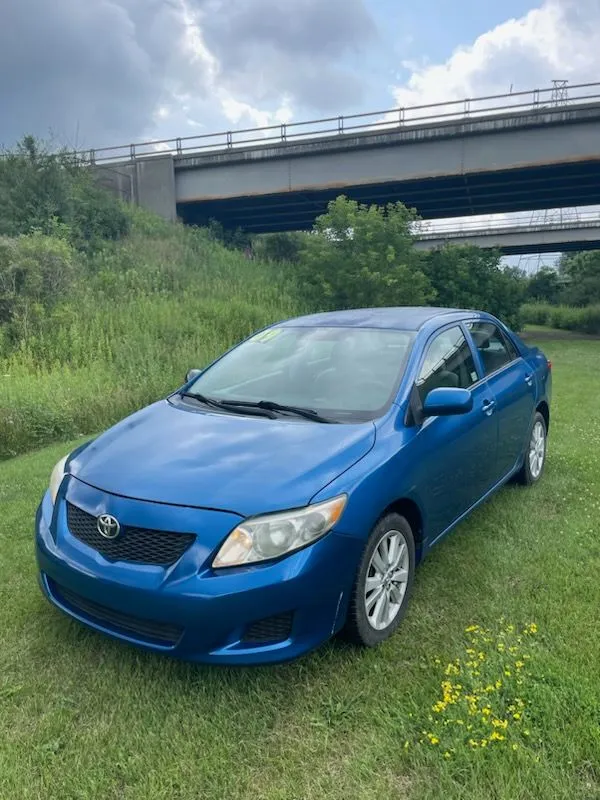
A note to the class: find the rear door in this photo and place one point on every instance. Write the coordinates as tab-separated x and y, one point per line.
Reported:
512	382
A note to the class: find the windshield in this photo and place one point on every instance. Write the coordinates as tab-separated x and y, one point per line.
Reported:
347	374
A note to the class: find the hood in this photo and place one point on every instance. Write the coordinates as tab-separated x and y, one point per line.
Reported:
249	465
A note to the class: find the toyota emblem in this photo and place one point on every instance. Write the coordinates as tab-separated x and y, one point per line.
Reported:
108	526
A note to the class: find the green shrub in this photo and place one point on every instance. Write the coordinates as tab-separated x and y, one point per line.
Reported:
36	272
570	318
536	313
40	190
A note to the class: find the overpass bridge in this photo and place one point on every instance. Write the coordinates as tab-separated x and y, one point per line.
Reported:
496	154
515	237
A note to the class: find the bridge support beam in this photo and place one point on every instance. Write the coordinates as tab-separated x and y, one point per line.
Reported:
150	183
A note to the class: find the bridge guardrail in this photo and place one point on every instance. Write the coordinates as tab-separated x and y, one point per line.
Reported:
535	100
431	229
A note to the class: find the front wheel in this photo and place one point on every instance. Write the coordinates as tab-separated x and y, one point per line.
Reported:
535	457
383	583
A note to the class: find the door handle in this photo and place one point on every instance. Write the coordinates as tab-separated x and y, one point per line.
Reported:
488	407
529	379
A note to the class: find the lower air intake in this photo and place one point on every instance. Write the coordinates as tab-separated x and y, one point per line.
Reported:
269	630
145	630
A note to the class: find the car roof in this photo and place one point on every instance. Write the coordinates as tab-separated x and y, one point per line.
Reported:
406	318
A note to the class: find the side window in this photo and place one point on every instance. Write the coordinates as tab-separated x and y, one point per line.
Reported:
494	347
448	362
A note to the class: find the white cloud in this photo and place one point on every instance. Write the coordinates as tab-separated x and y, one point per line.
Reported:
237	111
217	103
556	40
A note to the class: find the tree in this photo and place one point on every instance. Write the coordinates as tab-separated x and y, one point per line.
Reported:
39	189
284	246
581	274
544	286
362	255
473	277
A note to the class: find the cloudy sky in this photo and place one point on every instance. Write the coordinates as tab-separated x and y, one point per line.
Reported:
89	73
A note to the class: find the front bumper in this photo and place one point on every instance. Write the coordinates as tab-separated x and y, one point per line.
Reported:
188	610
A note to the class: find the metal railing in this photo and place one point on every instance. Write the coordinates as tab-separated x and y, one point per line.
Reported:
535	100
558	219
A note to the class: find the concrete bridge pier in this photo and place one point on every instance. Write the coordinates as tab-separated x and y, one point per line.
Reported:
149	183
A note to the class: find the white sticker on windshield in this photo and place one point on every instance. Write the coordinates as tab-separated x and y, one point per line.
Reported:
266	336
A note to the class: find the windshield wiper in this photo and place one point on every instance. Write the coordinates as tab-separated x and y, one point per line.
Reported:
269	405
223	405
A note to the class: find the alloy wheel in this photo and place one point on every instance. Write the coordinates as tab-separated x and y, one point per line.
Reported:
387	580
537	449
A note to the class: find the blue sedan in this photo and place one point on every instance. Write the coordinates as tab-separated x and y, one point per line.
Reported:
288	491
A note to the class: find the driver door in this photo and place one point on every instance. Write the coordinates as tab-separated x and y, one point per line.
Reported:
456	454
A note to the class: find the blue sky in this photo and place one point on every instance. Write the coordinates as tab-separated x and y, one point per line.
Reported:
431	30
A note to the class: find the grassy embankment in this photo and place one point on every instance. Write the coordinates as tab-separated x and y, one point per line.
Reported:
140	314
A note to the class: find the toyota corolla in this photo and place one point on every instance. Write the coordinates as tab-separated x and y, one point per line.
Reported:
288	491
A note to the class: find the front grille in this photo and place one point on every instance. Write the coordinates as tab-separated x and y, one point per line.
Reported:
270	629
144	629
137	545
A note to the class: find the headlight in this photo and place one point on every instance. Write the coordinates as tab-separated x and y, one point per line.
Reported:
58	474
274	535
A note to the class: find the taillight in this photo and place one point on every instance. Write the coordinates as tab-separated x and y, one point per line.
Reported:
549	364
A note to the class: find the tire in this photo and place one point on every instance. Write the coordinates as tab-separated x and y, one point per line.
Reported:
390	532
533	466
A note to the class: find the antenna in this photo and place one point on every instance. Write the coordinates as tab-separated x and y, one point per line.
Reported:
560	92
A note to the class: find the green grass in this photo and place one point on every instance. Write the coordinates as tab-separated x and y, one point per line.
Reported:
84	717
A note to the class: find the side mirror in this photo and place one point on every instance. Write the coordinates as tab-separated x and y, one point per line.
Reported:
192	373
447	401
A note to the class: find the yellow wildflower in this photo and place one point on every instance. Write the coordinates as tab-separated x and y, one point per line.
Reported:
472	628
517	715
473	743
515	746
500	723
496	737
519	664
486	711
447	755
